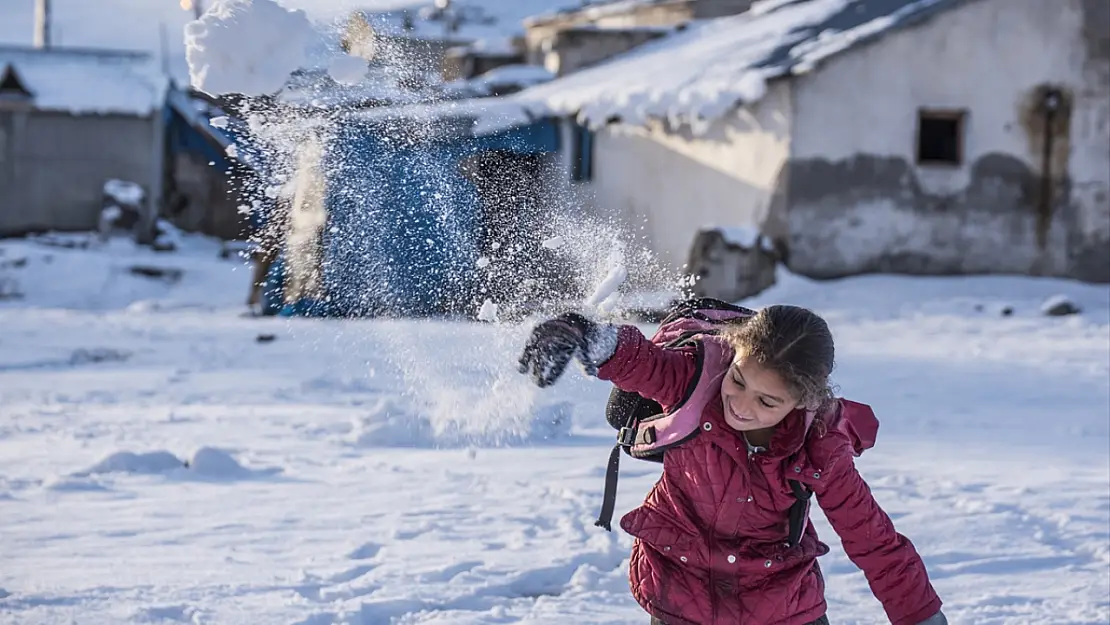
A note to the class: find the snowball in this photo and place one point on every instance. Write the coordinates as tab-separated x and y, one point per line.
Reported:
554	243
246	46
483	262
488	312
232	151
613	280
347	70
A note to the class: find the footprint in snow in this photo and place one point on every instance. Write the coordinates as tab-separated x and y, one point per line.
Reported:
352	574
364	552
161	614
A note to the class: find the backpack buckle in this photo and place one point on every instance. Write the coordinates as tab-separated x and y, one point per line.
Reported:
626	437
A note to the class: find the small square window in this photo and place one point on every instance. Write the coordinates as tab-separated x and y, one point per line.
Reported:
940	137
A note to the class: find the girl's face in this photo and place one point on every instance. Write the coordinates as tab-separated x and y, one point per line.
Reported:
754	398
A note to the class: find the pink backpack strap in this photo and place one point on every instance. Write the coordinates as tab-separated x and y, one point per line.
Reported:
644	435
649	437
684	421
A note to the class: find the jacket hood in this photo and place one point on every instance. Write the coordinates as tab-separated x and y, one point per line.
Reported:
858	422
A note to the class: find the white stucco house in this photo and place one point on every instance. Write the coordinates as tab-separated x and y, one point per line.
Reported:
905	136
70	121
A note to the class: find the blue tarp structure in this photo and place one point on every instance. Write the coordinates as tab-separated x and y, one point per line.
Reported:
189	131
403	220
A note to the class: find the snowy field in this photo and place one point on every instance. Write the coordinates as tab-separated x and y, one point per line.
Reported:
377	472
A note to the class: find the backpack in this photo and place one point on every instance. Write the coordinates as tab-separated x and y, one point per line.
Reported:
645	431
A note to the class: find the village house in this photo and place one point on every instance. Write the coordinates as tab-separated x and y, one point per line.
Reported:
77	124
70	121
567	40
904	136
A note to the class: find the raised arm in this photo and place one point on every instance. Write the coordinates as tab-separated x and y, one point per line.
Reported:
642	367
619	354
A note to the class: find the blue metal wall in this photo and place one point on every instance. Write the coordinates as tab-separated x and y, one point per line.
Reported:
403	219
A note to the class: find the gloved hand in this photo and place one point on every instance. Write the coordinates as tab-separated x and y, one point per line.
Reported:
556	341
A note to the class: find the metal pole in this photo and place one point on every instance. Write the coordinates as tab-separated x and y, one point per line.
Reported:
42	23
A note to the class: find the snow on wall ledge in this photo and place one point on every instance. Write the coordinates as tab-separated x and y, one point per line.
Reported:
702	73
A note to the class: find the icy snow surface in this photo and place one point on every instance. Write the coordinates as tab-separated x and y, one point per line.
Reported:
381	472
705	71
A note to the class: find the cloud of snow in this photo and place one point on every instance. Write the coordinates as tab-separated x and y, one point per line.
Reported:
558	258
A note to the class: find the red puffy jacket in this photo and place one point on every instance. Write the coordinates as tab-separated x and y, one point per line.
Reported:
710	539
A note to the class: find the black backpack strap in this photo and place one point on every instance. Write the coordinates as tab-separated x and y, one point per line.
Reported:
609	498
799	512
626	437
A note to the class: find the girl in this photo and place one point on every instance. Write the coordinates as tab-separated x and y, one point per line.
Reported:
710	542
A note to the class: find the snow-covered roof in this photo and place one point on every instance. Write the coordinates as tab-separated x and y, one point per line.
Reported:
316	89
489	23
87	81
474	116
713	66
515	76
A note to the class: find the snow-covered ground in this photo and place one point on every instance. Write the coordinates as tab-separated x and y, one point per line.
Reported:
374	472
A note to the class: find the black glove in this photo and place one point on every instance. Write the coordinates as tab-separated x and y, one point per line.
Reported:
555	342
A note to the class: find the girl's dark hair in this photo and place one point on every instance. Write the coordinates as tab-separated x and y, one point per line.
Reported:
795	343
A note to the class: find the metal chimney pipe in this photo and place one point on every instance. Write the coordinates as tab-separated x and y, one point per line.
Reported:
42	24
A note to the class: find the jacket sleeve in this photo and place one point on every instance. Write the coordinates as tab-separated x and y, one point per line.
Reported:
893	568
640	366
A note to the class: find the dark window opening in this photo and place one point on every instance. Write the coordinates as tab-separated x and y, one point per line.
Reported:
940	137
